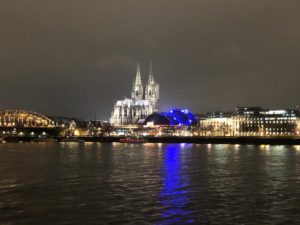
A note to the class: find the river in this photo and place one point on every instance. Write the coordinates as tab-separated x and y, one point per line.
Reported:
114	183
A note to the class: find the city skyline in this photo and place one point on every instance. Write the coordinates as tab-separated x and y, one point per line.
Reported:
75	59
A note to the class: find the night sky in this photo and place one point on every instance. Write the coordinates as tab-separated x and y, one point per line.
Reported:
76	57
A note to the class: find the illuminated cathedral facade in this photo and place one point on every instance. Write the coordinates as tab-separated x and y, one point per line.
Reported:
141	104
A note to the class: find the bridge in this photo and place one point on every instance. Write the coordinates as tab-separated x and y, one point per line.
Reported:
25	123
24	118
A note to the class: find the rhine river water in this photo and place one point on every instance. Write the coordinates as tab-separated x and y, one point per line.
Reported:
112	183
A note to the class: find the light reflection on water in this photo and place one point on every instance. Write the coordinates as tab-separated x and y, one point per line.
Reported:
174	194
93	183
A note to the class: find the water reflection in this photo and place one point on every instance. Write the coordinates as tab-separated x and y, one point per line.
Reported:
297	148
108	183
174	196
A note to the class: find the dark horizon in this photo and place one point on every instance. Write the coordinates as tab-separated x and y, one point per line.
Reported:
75	58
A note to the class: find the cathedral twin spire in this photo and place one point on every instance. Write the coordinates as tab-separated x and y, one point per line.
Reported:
143	102
138	90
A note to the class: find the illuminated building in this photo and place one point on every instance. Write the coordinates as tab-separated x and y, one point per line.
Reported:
251	121
176	122
76	127
175	117
215	124
135	109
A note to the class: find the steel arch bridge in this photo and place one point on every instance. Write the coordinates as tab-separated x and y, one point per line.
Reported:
24	118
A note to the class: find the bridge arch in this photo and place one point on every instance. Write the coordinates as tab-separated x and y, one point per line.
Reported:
24	118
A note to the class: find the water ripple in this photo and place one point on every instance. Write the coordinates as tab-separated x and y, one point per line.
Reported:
149	184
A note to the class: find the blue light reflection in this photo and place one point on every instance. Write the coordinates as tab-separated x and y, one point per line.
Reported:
174	196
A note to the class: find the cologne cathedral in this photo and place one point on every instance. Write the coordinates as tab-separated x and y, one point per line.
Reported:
134	110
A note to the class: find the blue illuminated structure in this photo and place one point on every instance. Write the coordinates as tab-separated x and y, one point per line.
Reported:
174	117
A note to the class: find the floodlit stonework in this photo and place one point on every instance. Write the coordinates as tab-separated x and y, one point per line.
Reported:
135	109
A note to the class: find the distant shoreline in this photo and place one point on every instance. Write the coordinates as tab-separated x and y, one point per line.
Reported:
195	140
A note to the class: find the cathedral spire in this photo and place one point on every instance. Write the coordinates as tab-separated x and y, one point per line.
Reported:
137	90
152	90
140	105
138	79
151	78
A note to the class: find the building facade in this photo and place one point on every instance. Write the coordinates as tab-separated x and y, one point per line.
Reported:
251	121
216	124
141	104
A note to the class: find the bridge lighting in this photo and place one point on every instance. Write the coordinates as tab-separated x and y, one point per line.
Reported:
24	118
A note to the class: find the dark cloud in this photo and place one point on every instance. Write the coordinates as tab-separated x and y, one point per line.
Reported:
75	58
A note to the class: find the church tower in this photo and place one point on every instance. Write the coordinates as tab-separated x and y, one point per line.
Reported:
152	90
135	109
137	89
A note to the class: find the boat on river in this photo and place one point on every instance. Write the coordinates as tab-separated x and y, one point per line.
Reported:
133	140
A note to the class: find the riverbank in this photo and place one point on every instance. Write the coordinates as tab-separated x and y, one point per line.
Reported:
199	140
227	140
